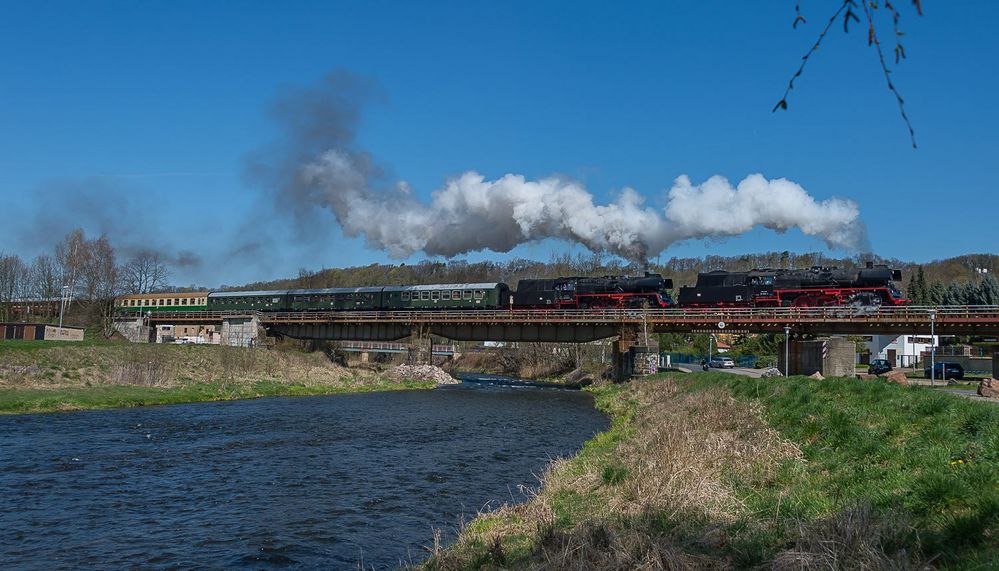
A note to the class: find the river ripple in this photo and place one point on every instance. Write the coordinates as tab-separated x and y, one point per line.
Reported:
325	482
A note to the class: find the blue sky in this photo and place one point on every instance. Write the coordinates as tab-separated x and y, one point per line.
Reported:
137	118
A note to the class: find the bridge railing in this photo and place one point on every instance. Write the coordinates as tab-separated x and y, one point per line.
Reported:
737	314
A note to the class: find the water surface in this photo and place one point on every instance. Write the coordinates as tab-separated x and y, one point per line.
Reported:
301	482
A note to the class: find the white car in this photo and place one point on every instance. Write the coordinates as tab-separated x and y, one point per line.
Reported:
722	363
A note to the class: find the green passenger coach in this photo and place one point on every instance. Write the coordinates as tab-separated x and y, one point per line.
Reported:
336	299
447	296
276	300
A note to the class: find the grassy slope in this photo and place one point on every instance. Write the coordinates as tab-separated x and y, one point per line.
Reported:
122	396
53	376
717	471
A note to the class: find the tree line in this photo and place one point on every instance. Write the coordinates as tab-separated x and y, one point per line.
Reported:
83	275
982	292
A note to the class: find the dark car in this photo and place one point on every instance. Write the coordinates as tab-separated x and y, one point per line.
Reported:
945	371
879	367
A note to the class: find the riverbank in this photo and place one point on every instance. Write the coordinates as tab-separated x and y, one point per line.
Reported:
715	471
43	377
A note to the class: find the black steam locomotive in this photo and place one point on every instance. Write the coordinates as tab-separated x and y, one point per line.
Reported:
812	287
650	290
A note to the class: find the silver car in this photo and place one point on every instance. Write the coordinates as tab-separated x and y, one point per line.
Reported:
722	363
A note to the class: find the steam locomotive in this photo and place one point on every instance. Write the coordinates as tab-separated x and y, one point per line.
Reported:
817	286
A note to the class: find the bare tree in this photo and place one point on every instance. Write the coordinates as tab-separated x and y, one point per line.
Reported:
145	272
12	283
847	11
69	255
44	278
101	280
42	282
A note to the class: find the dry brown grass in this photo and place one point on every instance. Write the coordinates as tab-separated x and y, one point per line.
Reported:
855	538
671	466
170	366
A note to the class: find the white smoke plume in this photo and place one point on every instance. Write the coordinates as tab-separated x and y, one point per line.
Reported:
471	213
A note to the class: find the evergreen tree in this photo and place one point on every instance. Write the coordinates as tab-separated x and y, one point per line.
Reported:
910	290
936	294
955	294
922	295
972	294
989	290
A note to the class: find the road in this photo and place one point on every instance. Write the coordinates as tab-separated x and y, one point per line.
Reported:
755	373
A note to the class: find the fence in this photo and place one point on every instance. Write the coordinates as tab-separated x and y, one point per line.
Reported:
746	361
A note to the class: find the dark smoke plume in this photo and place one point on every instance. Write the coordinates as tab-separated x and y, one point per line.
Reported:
101	206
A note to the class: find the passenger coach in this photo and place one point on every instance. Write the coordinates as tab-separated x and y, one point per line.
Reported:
158	302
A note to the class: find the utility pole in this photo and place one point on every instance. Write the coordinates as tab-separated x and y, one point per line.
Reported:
62	303
787	352
711	337
933	347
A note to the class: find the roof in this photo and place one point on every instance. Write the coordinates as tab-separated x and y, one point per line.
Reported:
335	290
484	285
170	294
259	293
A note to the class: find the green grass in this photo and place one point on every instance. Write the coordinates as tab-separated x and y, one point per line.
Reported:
912	454
889	476
123	396
20	345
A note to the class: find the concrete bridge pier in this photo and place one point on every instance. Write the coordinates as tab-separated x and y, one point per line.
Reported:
240	331
421	350
623	354
135	330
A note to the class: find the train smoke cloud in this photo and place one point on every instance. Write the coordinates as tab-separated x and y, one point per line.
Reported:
320	164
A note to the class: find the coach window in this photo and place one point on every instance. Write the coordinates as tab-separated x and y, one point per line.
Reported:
446	295
424	295
435	295
466	294
479	293
405	296
456	294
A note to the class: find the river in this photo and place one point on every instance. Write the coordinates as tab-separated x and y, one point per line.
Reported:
329	482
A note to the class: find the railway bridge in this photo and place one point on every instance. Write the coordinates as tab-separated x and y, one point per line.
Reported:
581	326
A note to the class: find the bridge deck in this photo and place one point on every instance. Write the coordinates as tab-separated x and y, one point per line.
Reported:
980	320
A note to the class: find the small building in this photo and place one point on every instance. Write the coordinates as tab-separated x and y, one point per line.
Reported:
40	332
900	350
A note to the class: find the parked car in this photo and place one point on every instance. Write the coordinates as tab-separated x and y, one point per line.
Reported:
879	367
945	371
722	363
